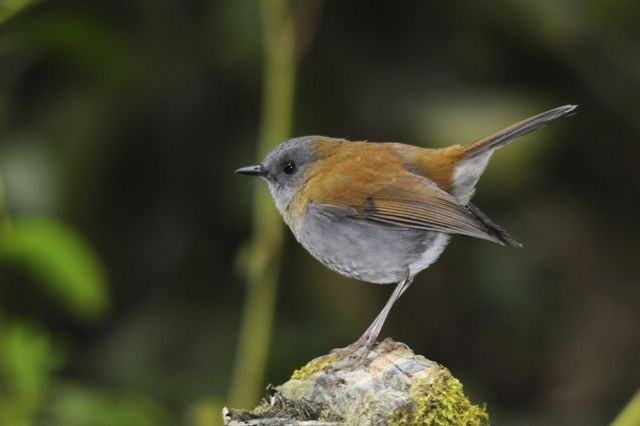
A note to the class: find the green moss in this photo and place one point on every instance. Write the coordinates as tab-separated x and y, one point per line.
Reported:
313	366
440	402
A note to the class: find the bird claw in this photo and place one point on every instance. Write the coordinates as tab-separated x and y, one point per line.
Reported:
354	355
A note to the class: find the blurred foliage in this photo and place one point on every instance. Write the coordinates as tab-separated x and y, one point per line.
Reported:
27	360
79	406
60	260
121	123
9	8
630	415
205	413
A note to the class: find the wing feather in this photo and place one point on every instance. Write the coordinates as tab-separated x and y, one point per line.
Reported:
415	202
377	183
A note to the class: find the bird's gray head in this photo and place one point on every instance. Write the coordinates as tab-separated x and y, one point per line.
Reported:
284	169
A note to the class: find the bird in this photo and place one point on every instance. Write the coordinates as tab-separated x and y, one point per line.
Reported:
381	212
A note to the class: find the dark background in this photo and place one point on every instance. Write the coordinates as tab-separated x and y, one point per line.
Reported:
121	219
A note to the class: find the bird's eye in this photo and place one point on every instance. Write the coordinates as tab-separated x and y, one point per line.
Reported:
289	167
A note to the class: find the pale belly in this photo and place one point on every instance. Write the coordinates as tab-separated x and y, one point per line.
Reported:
367	251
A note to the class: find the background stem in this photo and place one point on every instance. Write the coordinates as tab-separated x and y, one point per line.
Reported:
266	246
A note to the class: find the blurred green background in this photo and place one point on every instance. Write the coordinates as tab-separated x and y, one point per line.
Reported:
125	237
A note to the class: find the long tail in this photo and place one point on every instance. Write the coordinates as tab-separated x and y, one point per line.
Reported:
475	156
509	134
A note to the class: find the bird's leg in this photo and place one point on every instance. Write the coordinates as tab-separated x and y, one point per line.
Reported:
357	352
368	339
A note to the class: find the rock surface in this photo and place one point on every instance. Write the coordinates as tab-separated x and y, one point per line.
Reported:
391	386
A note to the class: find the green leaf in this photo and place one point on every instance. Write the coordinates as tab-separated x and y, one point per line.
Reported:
27	359
60	260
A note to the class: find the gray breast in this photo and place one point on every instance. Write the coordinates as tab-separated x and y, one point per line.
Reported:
365	250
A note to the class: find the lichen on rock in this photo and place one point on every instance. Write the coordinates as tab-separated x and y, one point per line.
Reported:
440	402
314	366
390	386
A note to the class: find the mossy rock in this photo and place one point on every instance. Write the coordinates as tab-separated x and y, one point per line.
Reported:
392	386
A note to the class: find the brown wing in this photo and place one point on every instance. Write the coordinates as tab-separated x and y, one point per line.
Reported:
414	202
375	182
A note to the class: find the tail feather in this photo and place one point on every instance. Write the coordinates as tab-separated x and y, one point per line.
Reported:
502	137
493	229
475	156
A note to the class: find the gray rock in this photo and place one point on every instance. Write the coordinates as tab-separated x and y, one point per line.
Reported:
390	386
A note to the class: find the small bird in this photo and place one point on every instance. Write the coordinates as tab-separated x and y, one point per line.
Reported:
382	212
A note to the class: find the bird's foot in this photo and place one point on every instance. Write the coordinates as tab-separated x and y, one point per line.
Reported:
355	354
